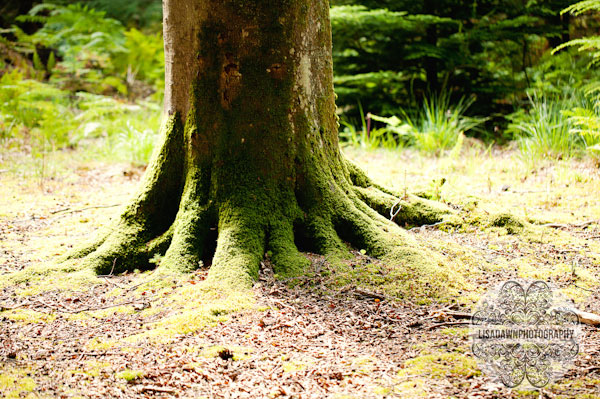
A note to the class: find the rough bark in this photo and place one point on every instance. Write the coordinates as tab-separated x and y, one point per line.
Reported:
249	155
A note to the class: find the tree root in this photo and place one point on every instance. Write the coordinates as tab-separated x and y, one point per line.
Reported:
240	248
358	214
173	224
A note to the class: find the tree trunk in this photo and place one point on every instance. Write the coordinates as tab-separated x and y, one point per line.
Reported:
249	161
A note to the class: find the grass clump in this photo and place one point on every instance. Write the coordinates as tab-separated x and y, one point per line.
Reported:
438	126
545	131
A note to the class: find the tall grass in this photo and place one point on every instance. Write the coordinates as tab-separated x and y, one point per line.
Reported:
434	128
544	131
585	117
437	126
558	126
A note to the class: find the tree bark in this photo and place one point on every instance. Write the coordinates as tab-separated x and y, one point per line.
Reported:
249	155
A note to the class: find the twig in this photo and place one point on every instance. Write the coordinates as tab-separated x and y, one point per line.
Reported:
582	288
68	210
21	305
83	354
527	191
459	315
425	226
369	294
564	226
157	389
590	319
65	309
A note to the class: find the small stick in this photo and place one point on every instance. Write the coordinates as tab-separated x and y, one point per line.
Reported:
68	210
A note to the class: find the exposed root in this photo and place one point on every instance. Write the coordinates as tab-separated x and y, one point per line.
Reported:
123	249
364	228
318	235
286	259
240	248
413	210
145	225
87	248
191	226
335	204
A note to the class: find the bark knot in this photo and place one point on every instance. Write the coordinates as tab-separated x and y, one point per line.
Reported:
277	71
230	82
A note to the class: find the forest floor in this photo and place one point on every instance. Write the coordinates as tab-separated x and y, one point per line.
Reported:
338	332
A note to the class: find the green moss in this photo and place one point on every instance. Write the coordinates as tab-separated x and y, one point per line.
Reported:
94	368
441	365
130	375
100	344
293	366
124	246
16	383
413	210
28	316
193	307
511	223
287	260
47	276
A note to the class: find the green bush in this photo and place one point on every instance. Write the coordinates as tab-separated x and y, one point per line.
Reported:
95	53
44	118
74	95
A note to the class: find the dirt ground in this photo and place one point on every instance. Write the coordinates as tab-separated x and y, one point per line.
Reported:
335	333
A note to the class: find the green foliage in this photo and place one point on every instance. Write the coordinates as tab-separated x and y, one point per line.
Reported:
135	142
388	137
582	7
142	13
44	117
83	37
590	44
585	119
70	92
143	59
436	127
30	109
390	55
91	52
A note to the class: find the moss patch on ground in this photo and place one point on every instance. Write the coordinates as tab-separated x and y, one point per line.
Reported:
17	382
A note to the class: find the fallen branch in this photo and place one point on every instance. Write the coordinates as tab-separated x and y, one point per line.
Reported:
590	319
369	294
425	226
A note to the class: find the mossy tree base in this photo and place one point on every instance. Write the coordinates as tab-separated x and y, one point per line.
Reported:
249	161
